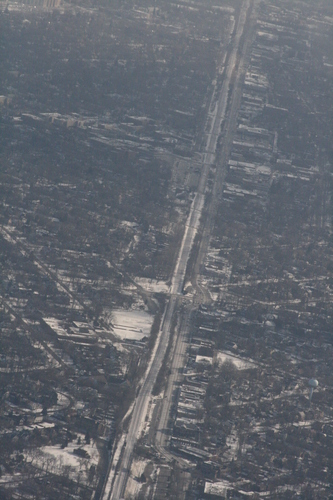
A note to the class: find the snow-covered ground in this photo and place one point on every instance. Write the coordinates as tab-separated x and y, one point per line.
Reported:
117	452
56	458
133	484
149	416
153	286
232	443
204	359
240	364
131	325
219	488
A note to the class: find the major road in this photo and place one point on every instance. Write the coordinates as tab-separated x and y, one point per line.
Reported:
119	469
218	114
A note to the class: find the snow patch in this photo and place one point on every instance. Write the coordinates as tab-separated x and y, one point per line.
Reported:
153	286
132	325
239	363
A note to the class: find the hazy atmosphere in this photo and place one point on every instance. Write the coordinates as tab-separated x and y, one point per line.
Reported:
166	291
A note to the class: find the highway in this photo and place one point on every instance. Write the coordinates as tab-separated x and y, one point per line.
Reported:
116	490
219	114
119	469
178	361
116	484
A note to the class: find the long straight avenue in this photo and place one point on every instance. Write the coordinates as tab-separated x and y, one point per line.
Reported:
115	485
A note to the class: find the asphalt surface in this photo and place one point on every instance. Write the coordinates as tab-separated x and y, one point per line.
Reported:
117	489
178	361
218	114
116	482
